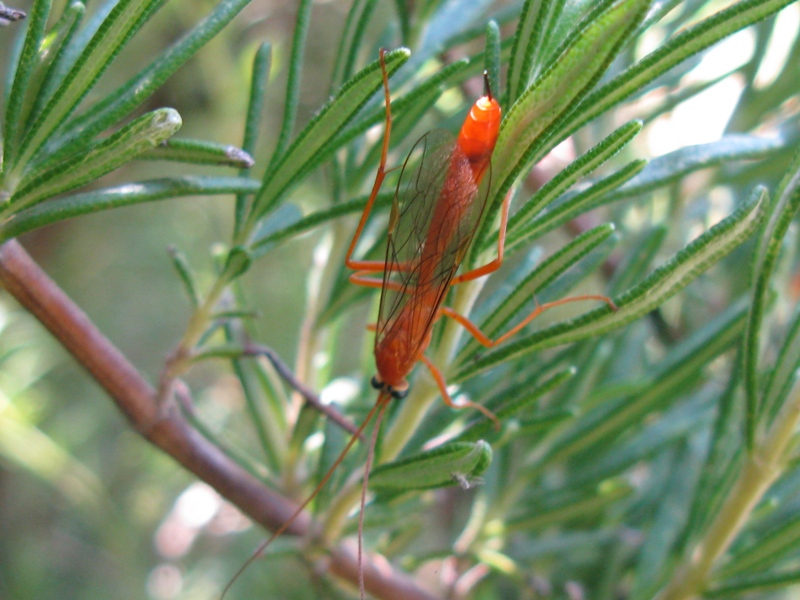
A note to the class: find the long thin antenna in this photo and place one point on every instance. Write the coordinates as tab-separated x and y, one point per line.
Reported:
383	402
259	551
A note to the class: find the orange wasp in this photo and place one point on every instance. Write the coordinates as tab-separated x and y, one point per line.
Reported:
433	219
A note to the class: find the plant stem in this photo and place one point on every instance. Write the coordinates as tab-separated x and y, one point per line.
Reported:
165	428
759	472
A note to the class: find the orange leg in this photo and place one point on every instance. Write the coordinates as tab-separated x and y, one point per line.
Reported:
442	385
495	264
540	308
373	266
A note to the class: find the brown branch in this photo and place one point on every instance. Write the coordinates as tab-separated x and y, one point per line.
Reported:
166	429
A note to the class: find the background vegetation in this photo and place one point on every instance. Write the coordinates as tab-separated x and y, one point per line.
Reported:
625	434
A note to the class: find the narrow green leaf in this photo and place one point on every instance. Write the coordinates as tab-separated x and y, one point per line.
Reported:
229	350
449	21
328	122
403	11
491	61
558	88
15	51
238	262
781	378
544	274
572	205
766	550
638	259
675	165
455	463
782	212
200	152
139	136
263	394
761	582
668	380
528	39
569	176
314	220
290	104
335	441
653	560
352	40
122	195
504	409
607	494
723	462
139	88
663	283
186	275
652	438
281	220
262	63
237	313
120	25
687	43
57	47
27	62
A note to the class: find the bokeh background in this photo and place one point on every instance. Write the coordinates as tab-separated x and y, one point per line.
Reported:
87	509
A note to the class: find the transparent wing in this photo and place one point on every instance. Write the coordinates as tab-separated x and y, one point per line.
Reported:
434	216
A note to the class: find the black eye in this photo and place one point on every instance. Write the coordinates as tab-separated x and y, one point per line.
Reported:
376	383
399	394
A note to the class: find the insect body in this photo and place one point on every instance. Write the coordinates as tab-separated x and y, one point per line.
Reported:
434	216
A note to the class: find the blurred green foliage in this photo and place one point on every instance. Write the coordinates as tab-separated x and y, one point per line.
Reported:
616	449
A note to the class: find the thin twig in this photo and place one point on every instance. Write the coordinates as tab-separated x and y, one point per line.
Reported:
166	429
308	395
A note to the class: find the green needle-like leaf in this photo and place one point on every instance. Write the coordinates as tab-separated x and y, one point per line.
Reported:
352	40
504	410
607	494
293	84
663	283
782	214
491	64
262	63
120	25
766	550
26	64
539	279
573	205
142	135
455	463
315	140
676	50
56	49
672	167
529	41
668	380
80	130
122	195
570	175
200	152
782	377
761	582
186	275
567	79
